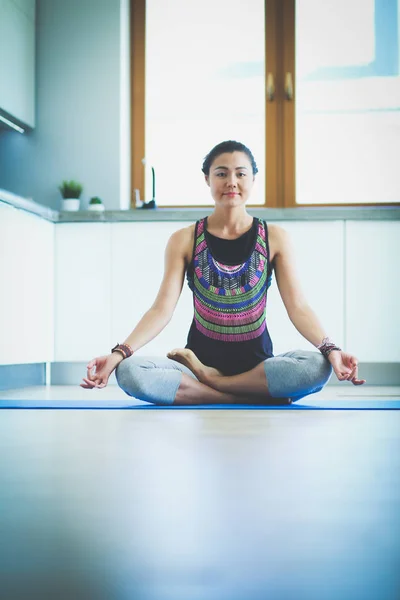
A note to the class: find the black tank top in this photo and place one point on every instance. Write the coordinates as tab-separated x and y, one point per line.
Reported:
232	252
229	280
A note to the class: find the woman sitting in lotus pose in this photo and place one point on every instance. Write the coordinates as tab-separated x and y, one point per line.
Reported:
228	259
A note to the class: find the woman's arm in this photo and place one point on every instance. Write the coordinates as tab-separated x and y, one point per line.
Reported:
177	257
299	311
160	313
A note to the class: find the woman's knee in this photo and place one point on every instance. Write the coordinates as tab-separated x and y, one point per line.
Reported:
319	370
148	380
297	373
314	373
129	377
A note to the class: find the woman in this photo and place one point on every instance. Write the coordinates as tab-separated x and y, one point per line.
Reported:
228	259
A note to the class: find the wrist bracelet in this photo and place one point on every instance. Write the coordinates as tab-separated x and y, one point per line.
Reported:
327	346
326	353
123	349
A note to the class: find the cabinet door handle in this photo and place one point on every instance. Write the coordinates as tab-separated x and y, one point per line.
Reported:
270	88
289	86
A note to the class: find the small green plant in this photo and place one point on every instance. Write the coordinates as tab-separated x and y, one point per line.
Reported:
95	200
70	189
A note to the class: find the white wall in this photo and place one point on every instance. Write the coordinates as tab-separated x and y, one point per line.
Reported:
78	90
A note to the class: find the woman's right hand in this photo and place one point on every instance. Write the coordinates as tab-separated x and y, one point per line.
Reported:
99	370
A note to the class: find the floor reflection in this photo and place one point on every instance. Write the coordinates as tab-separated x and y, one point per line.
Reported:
197	505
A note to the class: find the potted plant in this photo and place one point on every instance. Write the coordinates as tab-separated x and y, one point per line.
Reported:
96	203
71	192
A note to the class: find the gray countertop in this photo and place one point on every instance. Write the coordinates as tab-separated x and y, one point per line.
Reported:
318	213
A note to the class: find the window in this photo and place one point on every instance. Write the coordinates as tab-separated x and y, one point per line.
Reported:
347	102
313	88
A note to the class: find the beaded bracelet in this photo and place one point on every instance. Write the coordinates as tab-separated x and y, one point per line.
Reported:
327	346
123	349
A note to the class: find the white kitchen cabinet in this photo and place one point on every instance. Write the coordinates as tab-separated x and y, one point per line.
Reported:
137	257
373	290
70	291
26	284
17	59
82	291
318	253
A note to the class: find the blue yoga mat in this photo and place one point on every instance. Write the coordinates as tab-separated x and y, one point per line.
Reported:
131	404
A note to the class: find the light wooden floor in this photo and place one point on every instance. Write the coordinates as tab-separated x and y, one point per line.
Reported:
193	505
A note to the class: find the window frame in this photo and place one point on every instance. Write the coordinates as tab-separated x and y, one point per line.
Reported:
280	142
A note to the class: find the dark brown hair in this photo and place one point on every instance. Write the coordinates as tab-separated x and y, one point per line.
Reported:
228	146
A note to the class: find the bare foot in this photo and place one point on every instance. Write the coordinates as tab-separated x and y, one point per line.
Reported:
188	358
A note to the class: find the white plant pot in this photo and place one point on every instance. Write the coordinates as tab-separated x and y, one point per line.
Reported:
71	203
98	207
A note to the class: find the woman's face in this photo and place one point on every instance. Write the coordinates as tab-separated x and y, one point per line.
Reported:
230	179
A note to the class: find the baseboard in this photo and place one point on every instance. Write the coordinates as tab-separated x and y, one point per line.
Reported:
19	376
71	373
374	373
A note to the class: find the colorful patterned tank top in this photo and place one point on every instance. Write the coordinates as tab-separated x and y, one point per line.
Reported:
229	330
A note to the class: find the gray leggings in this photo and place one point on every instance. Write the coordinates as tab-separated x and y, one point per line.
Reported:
290	375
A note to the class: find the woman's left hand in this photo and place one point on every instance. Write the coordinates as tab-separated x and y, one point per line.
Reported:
345	366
